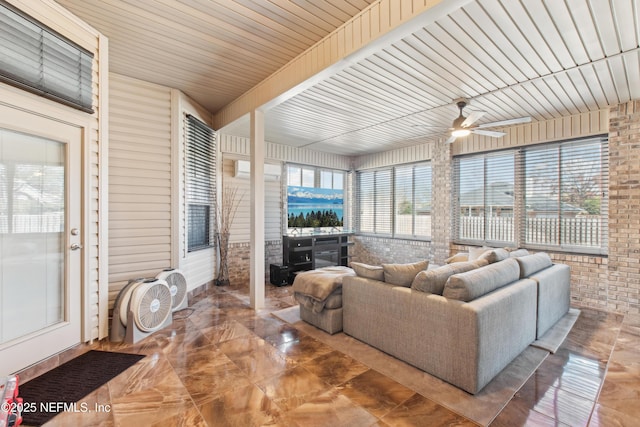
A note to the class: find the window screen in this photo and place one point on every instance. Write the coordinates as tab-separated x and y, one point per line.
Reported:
200	185
36	58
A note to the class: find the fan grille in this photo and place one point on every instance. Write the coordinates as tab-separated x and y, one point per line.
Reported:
153	307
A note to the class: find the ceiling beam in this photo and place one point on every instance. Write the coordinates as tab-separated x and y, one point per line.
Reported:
374	28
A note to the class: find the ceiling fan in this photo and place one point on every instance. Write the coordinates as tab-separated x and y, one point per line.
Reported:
463	126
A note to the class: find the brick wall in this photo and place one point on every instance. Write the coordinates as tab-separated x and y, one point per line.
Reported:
376	250
624	208
441	165
239	261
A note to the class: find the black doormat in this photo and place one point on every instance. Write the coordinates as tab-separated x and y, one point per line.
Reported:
60	388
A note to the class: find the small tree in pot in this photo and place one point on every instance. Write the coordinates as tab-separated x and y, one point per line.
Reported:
225	213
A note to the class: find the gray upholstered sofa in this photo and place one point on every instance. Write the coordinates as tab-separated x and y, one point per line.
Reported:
462	322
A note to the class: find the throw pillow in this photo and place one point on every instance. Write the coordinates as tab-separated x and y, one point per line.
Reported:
375	272
518	253
459	257
403	274
474	253
494	255
432	281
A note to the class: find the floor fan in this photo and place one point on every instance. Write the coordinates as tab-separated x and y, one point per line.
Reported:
178	287
142	307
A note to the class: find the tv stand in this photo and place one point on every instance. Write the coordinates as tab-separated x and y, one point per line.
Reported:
308	252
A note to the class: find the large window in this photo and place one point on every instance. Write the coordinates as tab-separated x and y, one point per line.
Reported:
200	186
395	201
549	196
315	198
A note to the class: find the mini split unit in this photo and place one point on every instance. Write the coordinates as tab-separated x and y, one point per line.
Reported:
242	169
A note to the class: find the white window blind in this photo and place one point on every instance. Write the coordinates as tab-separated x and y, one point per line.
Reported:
565	201
395	201
36	58
412	196
549	196
200	184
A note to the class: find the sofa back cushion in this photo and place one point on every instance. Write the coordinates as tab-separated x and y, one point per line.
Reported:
531	264
375	272
432	281
475	283
403	274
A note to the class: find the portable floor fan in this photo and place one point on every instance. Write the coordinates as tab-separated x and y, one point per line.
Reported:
177	285
142	307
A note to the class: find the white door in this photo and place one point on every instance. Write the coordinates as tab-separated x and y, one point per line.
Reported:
40	238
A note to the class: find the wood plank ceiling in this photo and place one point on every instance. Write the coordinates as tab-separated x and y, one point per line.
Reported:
540	58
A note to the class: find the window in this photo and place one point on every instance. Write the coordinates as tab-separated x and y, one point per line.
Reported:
36	58
396	201
200	185
315	198
551	196
485	186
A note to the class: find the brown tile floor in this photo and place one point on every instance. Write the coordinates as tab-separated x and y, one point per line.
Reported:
222	364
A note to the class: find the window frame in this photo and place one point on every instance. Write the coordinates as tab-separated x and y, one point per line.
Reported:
379	227
199	193
520	215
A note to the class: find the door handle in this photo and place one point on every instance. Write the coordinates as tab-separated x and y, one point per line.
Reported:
75	247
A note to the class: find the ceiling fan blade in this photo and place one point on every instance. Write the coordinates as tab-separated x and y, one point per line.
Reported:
451	139
473	117
491	133
506	122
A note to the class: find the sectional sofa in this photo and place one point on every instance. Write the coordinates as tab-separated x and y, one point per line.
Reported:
463	322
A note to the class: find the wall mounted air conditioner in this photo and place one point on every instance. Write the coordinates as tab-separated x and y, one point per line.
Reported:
242	169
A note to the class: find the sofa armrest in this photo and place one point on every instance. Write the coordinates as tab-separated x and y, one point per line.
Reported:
467	344
554	295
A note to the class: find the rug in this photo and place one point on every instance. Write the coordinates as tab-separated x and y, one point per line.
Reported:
481	408
62	388
555	336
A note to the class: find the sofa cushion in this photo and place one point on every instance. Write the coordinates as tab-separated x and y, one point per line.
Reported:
459	257
531	264
476	283
375	272
403	274
494	255
432	281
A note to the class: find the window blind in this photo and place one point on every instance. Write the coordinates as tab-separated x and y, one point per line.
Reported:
36	58
549	196
412	201
565	194
200	184
484	206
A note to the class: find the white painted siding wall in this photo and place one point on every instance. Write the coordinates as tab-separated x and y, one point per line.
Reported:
139	181
94	278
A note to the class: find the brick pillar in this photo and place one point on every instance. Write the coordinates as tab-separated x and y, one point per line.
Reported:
441	163
623	290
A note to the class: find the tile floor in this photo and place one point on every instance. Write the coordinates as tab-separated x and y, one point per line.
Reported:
221	363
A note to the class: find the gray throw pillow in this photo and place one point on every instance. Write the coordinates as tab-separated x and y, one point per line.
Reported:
432	281
375	272
495	255
403	274
518	253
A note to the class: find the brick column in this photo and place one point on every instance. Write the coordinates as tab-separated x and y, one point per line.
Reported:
623	290
441	164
